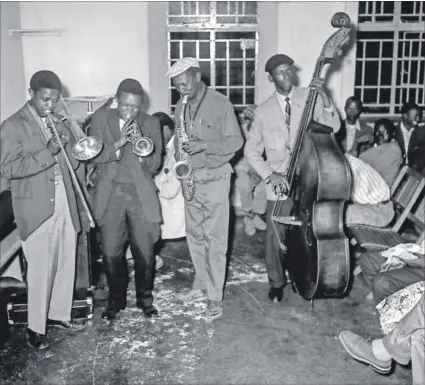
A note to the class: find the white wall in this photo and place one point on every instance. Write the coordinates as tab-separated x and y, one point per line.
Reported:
303	28
103	43
13	90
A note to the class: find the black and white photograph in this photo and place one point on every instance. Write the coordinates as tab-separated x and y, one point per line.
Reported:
212	192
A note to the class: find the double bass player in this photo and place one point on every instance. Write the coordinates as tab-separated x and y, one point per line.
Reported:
273	131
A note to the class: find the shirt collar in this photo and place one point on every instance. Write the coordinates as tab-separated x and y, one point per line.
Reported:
283	97
355	125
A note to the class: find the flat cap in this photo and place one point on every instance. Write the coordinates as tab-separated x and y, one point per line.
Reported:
181	66
277	60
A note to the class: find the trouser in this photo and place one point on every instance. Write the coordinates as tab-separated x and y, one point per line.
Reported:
50	254
207	227
274	254
407	341
124	224
387	283
253	195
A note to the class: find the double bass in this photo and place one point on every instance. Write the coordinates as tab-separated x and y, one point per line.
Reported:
319	180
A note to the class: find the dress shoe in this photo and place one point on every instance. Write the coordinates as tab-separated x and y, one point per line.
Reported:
66	325
149	311
159	263
110	313
276	294
258	223
37	341
214	310
361	350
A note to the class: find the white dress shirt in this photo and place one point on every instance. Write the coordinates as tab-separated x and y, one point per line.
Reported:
407	134
350	132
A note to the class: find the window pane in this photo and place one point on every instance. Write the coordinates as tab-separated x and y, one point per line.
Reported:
235	50
189	48
387	49
250	72
372	49
222	90
222	8
204	50
220	73
386	72
236	96
385	96
205	67
371	73
250	96
250	7
174	8
370	96
204	7
236	73
220	49
175	50
359	72
175	96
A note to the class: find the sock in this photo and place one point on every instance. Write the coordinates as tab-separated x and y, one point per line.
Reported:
379	350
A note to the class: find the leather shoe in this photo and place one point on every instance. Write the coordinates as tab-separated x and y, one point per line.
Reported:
110	314
37	341
276	294
149	311
66	325
361	350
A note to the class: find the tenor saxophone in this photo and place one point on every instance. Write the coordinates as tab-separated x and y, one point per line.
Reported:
183	167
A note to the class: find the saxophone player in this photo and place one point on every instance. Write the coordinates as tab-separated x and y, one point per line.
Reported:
214	137
125	202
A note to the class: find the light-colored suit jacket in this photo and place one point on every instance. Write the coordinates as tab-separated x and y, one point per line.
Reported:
269	133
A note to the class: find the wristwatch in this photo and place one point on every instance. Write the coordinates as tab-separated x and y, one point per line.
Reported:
267	180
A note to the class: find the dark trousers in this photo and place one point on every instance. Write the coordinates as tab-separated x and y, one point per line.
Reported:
123	224
387	283
274	254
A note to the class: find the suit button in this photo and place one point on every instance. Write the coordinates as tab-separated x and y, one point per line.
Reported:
52	199
113	180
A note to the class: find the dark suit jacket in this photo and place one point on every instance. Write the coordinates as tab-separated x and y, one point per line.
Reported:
416	150
341	137
28	165
105	125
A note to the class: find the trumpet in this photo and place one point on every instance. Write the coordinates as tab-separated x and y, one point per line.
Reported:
142	145
71	170
86	147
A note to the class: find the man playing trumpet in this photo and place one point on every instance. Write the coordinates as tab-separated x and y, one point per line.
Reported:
44	205
125	202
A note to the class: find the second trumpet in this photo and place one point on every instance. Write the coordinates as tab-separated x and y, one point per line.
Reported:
142	145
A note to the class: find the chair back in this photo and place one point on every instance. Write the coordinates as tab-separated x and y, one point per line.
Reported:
408	196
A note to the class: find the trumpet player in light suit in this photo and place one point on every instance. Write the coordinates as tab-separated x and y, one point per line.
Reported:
214	137
44	205
124	200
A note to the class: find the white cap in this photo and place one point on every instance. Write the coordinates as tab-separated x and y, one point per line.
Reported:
181	66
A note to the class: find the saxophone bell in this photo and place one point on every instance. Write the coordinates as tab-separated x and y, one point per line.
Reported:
182	169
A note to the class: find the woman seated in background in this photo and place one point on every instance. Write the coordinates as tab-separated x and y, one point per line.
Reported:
373	173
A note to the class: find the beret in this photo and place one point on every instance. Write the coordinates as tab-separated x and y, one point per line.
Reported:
277	60
181	66
45	79
130	86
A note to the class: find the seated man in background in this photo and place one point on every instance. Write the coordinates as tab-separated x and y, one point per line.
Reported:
384	155
170	189
251	188
384	283
402	344
411	136
354	133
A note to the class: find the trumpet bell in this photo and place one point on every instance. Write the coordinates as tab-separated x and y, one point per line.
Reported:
182	169
143	146
87	148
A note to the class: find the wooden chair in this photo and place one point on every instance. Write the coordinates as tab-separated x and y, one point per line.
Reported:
408	196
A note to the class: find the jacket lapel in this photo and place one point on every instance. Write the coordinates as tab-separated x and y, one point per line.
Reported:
31	127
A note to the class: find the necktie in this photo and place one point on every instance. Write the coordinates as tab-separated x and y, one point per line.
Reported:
287	113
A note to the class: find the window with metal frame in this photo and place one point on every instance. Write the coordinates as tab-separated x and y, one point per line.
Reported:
223	36
390	62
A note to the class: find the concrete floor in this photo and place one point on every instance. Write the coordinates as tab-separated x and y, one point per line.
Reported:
255	342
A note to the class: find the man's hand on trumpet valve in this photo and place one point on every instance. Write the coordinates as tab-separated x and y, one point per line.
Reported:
193	146
123	137
53	143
